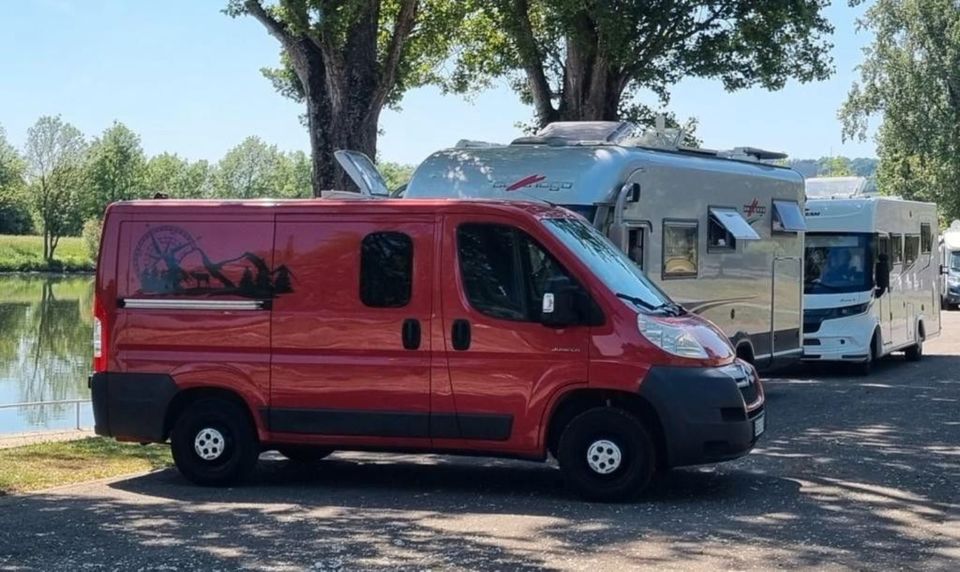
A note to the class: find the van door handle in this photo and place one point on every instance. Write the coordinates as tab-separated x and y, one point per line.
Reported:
411	334
461	335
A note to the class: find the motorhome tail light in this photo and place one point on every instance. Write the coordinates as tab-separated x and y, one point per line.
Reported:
99	338
671	339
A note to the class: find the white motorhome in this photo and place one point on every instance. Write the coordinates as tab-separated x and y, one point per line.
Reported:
871	276
720	232
950	259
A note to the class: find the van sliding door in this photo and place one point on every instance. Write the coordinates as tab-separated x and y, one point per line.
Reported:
351	342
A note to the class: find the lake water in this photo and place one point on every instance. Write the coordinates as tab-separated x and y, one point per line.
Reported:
46	332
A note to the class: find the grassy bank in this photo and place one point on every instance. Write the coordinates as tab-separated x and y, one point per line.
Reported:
45	465
25	254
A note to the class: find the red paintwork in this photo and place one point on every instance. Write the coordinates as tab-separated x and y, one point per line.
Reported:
320	347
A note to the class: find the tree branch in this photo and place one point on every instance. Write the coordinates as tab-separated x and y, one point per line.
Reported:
276	29
532	60
406	19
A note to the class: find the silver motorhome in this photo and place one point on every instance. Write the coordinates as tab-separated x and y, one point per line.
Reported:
721	233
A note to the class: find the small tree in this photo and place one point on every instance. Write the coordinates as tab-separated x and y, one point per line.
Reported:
171	175
55	153
115	169
247	171
14	213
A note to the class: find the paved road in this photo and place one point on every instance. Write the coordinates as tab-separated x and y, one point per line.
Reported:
860	473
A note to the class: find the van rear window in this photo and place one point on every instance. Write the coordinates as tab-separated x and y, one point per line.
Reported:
386	269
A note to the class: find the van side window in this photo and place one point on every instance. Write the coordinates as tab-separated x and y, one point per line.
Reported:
386	269
911	248
680	249
926	238
504	271
896	248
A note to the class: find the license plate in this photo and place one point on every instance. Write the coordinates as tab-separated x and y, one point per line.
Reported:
759	425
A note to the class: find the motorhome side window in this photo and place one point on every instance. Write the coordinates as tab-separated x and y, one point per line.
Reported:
896	248
926	238
504	271
386	269
788	217
911	248
718	237
680	249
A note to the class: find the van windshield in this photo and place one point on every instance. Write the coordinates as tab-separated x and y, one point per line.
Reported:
607	262
955	261
837	263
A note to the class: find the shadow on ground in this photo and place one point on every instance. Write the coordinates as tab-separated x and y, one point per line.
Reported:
856	472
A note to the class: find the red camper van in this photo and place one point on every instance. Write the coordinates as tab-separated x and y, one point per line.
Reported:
494	328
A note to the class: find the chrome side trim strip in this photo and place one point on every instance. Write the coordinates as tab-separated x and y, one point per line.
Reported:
190	304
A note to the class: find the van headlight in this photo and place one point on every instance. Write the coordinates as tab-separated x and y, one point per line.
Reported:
851	310
953	279
669	338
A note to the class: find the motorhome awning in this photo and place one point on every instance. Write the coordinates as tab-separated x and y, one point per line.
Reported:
788	217
735	224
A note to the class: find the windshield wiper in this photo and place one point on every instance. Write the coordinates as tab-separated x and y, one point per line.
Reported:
671	307
635	300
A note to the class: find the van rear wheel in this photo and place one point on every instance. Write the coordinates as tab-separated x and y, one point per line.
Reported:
213	443
607	454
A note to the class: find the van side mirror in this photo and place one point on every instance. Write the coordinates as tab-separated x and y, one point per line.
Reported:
882	277
561	301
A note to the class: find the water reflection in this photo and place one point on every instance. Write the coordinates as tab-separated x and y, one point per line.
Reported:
45	348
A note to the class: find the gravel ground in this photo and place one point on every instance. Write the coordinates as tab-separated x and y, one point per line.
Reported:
854	473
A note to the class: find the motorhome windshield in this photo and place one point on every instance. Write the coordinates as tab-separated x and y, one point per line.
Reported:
955	261
609	264
837	263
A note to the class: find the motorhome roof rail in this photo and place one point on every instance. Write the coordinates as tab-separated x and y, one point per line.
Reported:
474	144
752	153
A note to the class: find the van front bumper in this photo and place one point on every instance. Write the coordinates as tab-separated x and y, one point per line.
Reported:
841	339
131	406
704	412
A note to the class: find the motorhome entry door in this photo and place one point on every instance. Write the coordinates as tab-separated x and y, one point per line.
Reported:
786	313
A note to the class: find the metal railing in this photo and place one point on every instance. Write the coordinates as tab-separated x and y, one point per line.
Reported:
75	402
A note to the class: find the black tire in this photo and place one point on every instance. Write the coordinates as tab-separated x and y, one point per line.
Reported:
629	436
866	367
914	352
304	453
204	422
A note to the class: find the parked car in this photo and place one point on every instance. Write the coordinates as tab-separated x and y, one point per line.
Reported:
498	328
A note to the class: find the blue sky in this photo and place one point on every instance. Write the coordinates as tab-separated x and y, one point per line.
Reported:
186	78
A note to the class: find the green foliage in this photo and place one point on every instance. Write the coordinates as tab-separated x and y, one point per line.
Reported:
395	174
828	166
254	169
14	210
836	167
573	59
90	235
55	154
175	177
911	75
114	169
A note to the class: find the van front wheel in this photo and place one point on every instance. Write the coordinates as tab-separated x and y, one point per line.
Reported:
213	443
607	454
